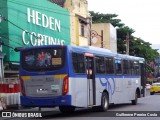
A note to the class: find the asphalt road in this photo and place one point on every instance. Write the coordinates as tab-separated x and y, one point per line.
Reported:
150	103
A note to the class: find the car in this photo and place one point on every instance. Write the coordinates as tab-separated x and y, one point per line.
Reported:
155	88
148	86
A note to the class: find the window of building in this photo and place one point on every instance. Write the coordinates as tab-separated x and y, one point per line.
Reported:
78	62
109	65
100	67
82	30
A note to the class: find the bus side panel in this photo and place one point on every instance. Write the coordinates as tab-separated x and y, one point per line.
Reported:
99	89
104	83
78	91
130	86
136	83
125	89
77	84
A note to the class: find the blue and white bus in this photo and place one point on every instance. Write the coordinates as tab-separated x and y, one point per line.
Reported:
74	76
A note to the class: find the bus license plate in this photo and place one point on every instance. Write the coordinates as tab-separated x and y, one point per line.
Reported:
42	91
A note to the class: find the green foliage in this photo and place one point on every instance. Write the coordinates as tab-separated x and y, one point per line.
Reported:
142	49
106	18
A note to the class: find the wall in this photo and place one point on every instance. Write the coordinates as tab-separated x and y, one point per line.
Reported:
104	35
78	9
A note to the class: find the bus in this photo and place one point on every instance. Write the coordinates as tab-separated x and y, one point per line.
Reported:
72	77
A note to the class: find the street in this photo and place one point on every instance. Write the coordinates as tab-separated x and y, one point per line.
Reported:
149	103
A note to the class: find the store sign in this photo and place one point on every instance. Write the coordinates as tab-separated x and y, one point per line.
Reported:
32	23
47	22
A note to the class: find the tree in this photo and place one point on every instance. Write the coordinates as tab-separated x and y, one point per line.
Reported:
106	18
121	38
142	49
137	46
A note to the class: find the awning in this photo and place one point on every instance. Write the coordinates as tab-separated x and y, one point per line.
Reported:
82	19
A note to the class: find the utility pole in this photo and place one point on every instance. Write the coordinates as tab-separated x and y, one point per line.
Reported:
127	43
102	39
90	27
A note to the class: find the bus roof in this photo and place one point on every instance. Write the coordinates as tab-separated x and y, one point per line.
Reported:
105	52
91	49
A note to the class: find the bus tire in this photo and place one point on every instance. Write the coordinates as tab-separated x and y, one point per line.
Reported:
66	109
151	93
134	102
104	102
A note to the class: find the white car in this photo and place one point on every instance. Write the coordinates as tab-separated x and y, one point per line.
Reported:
148	86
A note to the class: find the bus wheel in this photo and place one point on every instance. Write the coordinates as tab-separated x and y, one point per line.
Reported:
104	102
66	109
134	102
151	93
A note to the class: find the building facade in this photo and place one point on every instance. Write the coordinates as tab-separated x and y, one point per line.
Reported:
31	23
80	20
104	35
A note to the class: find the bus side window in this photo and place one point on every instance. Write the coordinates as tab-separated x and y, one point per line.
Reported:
125	67
109	65
100	66
132	67
78	63
136	68
118	67
89	70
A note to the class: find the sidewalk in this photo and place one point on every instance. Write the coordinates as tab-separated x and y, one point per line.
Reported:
13	107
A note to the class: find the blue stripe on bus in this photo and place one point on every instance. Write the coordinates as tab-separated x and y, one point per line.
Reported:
107	84
103	76
45	101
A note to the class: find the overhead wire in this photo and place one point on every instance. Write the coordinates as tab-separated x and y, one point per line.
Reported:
2	43
2	36
17	26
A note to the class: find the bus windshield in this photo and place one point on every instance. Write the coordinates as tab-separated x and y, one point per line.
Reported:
44	59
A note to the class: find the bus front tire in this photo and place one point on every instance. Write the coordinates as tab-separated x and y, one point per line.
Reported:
66	109
134	102
104	102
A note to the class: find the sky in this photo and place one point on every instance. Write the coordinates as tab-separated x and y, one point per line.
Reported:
141	15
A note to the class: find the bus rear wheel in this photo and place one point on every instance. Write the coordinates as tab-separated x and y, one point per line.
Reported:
104	102
134	102
66	109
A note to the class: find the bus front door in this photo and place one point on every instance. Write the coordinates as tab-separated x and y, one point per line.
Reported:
91	81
